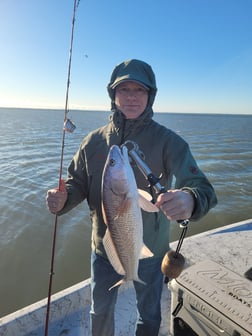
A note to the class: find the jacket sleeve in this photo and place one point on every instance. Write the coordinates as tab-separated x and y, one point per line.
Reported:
188	176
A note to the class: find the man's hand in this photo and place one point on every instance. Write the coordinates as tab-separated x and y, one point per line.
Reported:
176	204
56	198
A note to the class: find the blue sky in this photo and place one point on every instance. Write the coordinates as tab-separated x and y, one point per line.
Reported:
200	51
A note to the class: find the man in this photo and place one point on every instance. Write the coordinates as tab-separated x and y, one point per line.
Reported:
132	89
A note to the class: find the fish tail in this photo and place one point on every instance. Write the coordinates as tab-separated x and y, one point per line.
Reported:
123	280
120	282
140	281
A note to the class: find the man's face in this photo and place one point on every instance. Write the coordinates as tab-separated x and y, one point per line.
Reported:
131	99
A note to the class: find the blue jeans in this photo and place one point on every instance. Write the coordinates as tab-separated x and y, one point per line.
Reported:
148	296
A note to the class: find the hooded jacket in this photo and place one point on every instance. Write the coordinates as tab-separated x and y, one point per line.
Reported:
166	153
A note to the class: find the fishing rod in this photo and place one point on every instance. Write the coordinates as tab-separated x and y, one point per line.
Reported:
68	126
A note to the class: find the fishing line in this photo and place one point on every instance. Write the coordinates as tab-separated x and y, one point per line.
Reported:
68	127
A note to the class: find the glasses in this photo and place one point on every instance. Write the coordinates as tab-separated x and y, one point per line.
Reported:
138	92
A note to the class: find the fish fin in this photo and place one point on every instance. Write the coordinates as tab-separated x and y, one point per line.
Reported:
145	194
112	253
124	207
145	252
140	281
144	200
120	282
104	214
126	204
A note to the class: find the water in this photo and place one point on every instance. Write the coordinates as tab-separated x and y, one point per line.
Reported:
30	147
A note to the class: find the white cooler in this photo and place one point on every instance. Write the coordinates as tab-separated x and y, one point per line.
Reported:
208	300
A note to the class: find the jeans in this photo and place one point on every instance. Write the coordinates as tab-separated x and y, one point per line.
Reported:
148	296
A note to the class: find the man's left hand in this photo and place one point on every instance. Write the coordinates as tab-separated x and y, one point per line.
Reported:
176	204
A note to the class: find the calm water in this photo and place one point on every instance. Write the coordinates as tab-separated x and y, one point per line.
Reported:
30	147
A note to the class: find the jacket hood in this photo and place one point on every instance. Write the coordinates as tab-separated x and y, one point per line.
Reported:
137	71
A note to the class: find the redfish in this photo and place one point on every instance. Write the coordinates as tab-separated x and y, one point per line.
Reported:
121	206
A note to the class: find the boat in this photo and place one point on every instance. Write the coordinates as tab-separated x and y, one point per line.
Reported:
212	295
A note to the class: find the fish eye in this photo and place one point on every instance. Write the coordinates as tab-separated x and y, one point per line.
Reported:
112	162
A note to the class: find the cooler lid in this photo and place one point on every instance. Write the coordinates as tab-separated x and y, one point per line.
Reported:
226	291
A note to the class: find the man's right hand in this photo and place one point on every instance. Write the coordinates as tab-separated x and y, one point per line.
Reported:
56	198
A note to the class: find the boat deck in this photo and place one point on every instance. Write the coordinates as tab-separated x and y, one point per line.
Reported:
229	246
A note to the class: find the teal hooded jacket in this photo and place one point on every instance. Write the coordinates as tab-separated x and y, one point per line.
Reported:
166	153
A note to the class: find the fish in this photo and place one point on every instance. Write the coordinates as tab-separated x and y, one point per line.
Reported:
122	202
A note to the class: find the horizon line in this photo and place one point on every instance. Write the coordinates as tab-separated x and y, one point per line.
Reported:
108	111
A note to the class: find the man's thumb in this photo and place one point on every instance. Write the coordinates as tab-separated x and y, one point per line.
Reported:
62	186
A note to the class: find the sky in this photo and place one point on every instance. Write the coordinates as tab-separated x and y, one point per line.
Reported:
200	51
